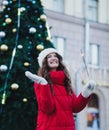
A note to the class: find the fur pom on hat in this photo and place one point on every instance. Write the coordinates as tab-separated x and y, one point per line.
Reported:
44	53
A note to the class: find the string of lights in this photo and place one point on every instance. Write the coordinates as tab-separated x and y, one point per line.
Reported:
12	58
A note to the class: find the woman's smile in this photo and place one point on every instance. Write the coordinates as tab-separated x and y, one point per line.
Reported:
53	61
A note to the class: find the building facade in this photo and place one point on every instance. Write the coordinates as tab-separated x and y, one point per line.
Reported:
77	26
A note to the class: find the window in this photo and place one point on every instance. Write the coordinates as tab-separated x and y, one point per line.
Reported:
58	5
92	10
55	5
59	43
94	54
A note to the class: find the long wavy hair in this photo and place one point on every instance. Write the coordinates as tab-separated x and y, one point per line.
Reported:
44	72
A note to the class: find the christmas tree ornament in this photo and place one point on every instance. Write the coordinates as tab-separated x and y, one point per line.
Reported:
8	9
25	99
40	47
22	9
39	35
29	53
14	86
10	1
33	1
26	64
38	19
5	2
6	16
3	47
8	20
14	30
30	42
29	47
43	17
3	68
3	7
2	34
4	24
40	26
19	46
32	30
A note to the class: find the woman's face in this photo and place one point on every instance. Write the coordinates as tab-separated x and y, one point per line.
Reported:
52	61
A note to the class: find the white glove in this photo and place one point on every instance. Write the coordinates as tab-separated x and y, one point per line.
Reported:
88	89
35	78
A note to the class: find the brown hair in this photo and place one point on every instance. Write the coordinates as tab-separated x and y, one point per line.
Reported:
44	72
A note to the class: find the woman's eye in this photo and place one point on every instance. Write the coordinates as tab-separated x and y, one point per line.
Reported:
48	56
55	56
51	56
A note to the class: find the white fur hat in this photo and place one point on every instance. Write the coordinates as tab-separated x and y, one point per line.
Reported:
44	53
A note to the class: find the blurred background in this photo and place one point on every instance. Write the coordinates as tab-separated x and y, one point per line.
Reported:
79	29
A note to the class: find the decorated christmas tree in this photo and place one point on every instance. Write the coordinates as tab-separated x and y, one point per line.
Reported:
23	34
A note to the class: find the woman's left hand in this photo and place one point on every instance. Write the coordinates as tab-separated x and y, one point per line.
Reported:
88	88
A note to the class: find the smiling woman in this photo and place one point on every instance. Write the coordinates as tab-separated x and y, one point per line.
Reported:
53	89
53	61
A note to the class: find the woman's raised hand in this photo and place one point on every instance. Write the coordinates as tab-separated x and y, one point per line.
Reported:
88	88
35	78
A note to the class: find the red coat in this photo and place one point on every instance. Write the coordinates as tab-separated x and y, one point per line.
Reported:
55	112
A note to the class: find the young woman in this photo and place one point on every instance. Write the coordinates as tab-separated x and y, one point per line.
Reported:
56	100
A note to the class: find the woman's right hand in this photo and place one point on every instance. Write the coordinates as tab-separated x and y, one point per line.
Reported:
88	88
35	78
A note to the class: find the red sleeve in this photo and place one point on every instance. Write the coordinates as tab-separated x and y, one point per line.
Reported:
44	97
79	103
